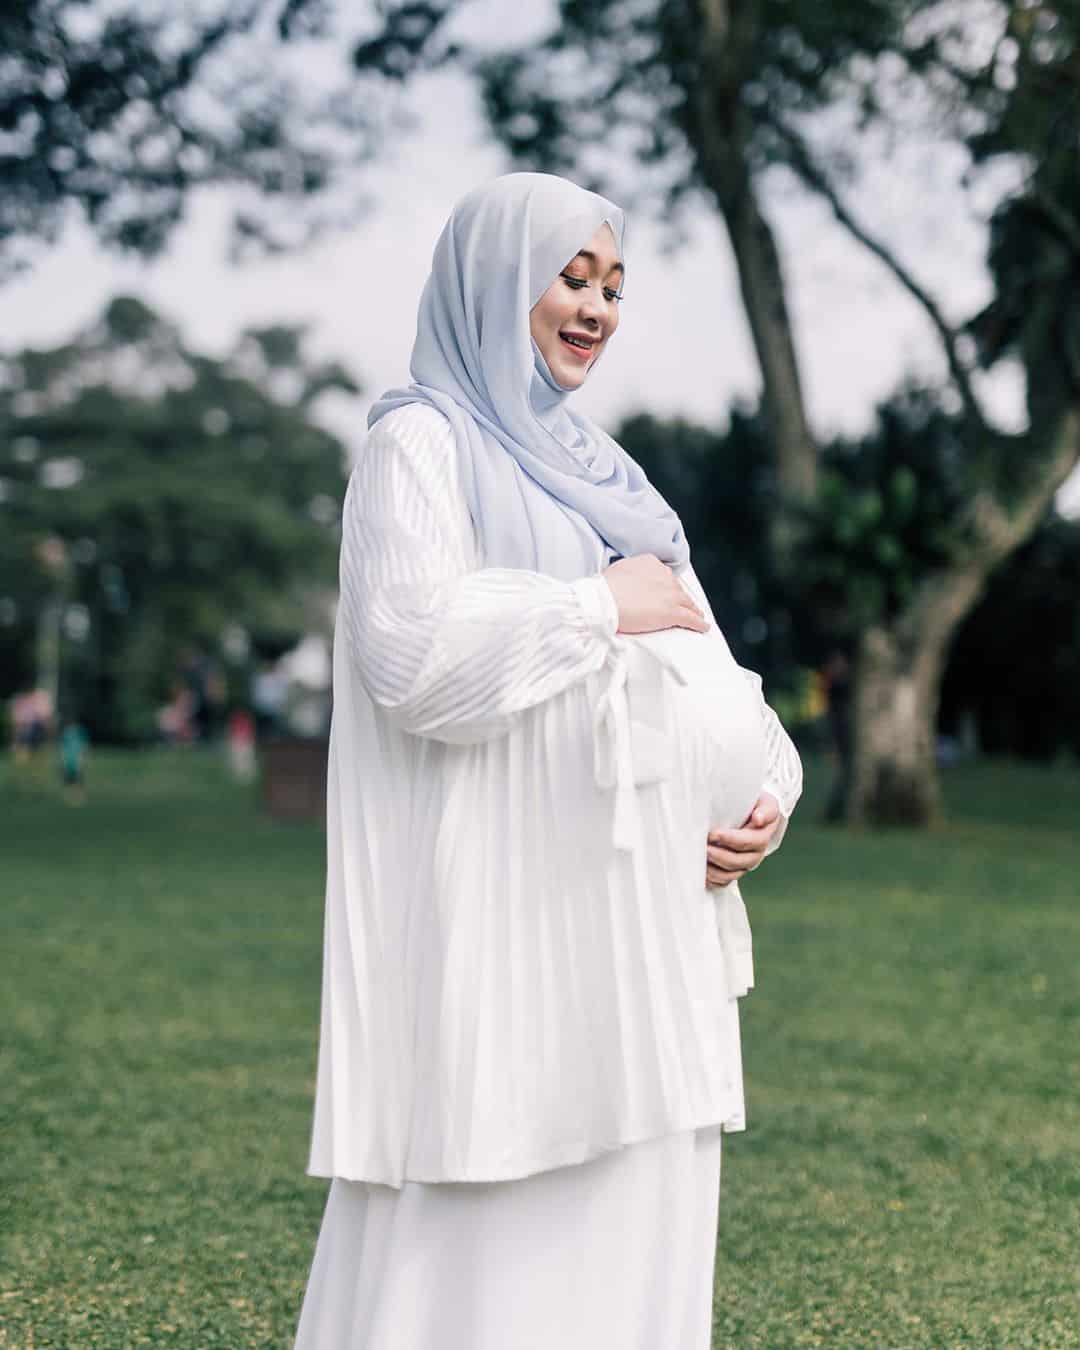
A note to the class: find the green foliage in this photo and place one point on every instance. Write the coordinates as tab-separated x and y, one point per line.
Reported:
887	514
885	521
121	113
1028	97
908	1176
180	494
1015	663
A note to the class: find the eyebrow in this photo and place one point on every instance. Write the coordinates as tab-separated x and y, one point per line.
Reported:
585	253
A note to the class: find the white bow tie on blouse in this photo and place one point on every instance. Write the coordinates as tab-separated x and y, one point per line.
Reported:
632	747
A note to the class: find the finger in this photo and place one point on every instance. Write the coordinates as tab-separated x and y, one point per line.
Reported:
716	885
765	811
721	857
681	596
689	616
732	862
741	841
714	877
742	836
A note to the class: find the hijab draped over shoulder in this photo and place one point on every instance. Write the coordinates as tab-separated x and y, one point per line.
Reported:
540	481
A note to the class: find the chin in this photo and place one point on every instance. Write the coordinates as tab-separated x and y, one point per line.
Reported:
570	377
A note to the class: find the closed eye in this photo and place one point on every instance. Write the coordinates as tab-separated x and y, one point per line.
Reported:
576	283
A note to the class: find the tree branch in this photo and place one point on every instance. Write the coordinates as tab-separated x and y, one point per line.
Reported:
1059	217
948	595
721	133
814	177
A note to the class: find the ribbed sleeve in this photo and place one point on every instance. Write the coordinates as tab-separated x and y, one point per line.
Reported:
447	649
784	774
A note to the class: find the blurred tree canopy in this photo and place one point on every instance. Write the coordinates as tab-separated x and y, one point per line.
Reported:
158	497
887	512
117	113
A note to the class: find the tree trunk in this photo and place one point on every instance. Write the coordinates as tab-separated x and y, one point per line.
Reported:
728	35
898	673
894	779
762	286
899	665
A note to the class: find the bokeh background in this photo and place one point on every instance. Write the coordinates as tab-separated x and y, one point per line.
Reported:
849	355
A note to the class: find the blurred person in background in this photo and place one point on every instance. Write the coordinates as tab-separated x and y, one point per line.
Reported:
175	719
74	743
32	715
269	693
836	682
240	743
204	681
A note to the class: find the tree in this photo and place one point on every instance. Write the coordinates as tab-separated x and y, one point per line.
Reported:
662	100
881	525
157	497
117	115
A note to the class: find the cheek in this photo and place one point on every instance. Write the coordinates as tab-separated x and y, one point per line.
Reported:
546	315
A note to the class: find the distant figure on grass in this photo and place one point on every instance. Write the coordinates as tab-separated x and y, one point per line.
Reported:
836	675
175	719
240	745
31	722
74	742
269	695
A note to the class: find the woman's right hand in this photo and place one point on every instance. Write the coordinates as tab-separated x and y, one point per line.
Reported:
650	597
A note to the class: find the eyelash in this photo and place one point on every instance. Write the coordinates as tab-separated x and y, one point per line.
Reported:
576	283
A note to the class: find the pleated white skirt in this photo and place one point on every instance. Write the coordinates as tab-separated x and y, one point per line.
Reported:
616	1253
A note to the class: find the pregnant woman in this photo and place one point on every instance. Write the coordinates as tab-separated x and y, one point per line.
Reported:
547	774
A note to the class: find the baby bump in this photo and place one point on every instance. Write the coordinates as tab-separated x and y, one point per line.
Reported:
716	724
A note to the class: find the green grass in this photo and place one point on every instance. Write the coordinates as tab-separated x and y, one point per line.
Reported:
909	1176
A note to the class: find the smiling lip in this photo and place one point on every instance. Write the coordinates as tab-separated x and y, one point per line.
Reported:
582	353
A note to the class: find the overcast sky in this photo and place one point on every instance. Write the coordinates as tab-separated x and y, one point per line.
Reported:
682	346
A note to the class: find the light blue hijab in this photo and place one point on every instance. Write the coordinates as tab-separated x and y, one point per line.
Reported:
541	482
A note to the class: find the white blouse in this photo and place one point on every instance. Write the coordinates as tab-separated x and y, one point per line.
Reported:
522	964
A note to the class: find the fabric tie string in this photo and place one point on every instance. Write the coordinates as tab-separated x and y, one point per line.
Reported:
630	745
630	750
736	942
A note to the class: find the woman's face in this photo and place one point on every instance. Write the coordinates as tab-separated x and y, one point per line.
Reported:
582	304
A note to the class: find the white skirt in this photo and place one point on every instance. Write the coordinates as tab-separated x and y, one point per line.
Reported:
615	1252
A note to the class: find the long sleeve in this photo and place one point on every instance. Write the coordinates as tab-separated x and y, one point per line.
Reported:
784	775
446	649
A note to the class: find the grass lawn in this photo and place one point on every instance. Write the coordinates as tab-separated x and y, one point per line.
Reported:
909	1176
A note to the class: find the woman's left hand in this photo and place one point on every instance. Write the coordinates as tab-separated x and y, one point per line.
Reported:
730	854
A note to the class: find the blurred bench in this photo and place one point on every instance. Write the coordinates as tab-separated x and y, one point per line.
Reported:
293	774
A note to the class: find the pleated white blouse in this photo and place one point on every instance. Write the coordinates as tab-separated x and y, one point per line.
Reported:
523	967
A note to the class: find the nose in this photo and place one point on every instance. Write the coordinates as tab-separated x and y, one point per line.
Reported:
590	309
